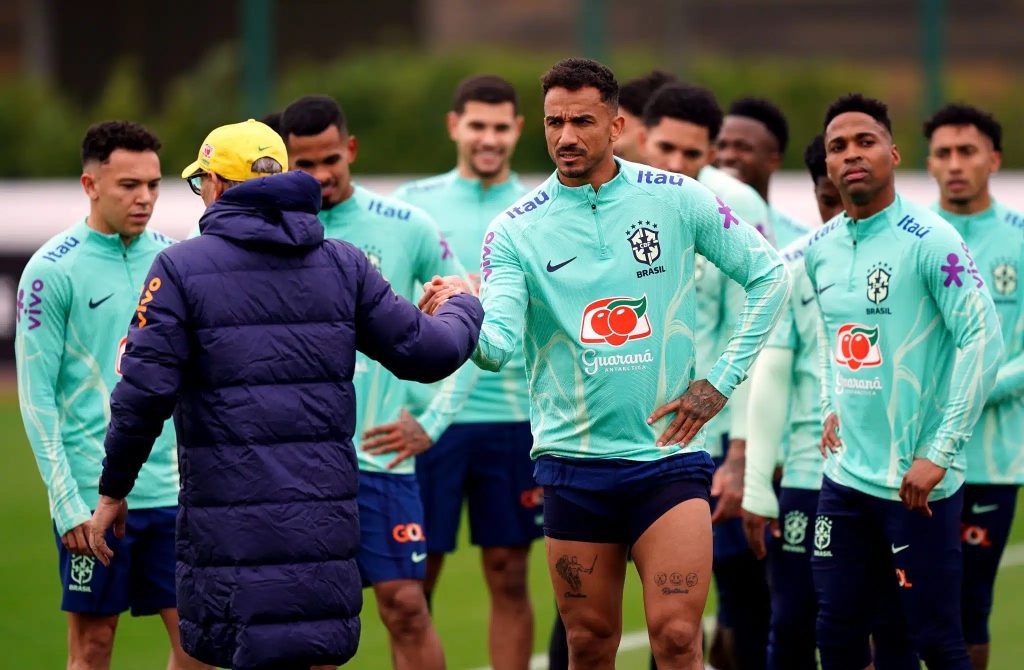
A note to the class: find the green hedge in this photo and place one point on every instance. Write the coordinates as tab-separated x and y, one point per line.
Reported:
396	101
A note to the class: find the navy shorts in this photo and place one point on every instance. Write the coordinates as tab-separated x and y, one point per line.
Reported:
140	576
984	531
873	555
489	465
392	541
613	500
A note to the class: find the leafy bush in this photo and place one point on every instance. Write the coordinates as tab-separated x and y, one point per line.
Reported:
396	99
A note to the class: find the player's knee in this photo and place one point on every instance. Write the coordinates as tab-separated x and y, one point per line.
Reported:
676	638
506	574
92	644
404	612
592	643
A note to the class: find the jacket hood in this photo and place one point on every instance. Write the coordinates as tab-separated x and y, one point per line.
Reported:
278	210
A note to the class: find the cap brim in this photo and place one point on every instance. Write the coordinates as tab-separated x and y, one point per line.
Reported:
191	170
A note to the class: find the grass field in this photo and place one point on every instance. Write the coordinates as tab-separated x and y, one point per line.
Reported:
33	628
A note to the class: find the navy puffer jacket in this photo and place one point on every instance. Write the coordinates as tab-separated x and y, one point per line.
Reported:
248	334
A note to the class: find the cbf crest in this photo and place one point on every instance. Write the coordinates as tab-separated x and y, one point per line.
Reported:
1004	278
795	527
878	282
643	239
81	572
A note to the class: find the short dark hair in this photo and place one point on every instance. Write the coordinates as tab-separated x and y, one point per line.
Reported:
767	113
577	73
684	102
274	121
635	93
487	88
856	102
814	158
959	114
312	115
102	139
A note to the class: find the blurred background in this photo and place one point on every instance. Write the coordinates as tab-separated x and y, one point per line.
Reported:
185	67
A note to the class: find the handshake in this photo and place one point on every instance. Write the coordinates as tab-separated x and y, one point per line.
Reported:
440	289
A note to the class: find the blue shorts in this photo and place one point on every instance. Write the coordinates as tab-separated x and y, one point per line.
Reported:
139	578
488	464
984	531
392	541
613	500
873	555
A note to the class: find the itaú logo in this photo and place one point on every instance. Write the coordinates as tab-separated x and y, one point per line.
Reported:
615	321
857	346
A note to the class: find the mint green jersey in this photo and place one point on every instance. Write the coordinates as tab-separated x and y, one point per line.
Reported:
797	331
463	208
76	298
403	243
600	286
720	299
995	453
912	345
787	230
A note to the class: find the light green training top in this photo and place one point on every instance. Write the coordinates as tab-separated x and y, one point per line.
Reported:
995	453
911	345
600	285
462	209
76	298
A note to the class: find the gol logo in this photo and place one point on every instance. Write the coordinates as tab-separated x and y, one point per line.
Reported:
147	297
976	536
532	498
615	320
901	579
857	346
408	532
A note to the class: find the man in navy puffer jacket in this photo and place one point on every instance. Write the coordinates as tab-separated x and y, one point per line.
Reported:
248	335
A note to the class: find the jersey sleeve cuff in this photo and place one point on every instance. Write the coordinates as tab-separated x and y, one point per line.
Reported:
762	503
725	378
942	454
71	514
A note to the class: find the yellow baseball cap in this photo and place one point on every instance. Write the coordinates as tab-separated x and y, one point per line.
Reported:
231	150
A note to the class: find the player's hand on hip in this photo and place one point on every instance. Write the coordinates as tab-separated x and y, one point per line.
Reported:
753	528
110	512
404	437
830	435
693	409
921	478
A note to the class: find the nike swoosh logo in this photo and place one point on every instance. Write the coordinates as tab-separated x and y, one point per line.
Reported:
552	268
93	304
807	301
825	288
418	558
983	509
264	148
896	550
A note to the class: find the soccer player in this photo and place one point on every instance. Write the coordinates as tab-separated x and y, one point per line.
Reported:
910	349
964	150
403	243
826	195
784	402
680	126
608	341
633	96
752	143
483	454
76	299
